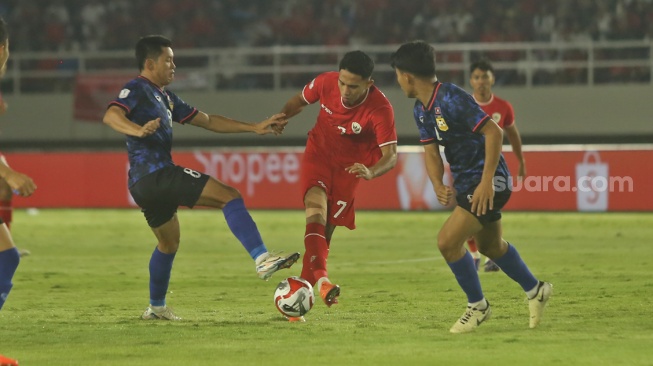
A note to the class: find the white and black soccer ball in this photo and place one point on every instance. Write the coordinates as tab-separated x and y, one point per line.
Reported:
294	297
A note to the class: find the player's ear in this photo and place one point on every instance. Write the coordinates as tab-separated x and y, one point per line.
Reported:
149	64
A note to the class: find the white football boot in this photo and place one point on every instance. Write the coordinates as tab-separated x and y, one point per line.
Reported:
471	319
159	313
536	304
275	262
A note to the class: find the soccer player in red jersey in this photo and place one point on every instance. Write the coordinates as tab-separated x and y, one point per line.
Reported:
21	184
354	137
501	111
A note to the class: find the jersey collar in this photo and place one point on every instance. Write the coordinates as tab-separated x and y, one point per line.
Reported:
436	86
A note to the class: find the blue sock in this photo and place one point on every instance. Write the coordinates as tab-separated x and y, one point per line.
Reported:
160	268
9	260
467	277
512	264
243	227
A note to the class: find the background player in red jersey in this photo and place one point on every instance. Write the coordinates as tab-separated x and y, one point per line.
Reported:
481	79
23	185
354	137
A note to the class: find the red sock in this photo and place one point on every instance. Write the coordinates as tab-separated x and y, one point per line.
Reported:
471	243
317	251
6	212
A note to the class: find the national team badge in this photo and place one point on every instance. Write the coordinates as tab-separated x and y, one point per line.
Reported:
496	117
442	124
438	110
356	127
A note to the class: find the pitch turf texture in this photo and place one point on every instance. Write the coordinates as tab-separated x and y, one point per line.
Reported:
77	299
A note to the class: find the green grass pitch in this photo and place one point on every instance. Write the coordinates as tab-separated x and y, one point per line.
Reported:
77	299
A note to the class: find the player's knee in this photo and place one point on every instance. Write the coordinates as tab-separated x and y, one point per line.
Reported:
168	246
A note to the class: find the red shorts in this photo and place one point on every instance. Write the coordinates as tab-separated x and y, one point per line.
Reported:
340	187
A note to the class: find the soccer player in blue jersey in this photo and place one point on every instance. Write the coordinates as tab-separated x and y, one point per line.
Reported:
20	184
145	111
447	115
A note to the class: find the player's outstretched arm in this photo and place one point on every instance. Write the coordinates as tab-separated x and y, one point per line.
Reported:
387	162
294	105
435	170
515	141
115	117
19	183
222	124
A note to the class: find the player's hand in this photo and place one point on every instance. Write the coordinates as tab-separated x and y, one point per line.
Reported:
275	124
444	194
361	171
522	171
20	183
483	198
149	128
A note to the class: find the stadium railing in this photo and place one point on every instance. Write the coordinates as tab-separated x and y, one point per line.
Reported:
272	68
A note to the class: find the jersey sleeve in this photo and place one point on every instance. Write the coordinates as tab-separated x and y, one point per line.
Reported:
182	112
313	90
127	98
384	126
466	111
426	135
509	119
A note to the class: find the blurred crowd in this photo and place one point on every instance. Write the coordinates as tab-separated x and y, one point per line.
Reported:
67	25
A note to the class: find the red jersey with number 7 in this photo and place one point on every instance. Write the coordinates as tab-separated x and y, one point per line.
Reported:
346	135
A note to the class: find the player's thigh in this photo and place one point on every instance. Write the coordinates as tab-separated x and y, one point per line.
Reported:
5	238
460	225
168	235
315	205
216	194
489	240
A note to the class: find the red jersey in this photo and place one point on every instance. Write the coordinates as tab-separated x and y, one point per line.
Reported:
500	110
346	135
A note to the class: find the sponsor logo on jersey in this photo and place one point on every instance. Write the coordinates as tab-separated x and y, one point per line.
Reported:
170	103
124	93
326	109
356	127
496	116
158	98
442	124
438	110
342	130
421	119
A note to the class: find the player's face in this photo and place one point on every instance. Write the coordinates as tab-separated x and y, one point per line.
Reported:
405	82
481	81
163	68
352	87
4	55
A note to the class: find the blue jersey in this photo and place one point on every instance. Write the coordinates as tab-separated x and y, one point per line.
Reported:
144	101
452	119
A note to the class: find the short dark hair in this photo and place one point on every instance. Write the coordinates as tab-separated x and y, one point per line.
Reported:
150	47
416	57
4	35
357	62
483	64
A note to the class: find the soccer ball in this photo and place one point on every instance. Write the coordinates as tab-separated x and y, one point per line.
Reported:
294	297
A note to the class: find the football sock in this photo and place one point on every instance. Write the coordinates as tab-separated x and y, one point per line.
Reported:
6	212
467	277
317	251
160	268
9	260
512	265
243	227
471	244
480	305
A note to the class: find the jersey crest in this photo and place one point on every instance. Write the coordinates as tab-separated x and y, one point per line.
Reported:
496	116
356	127
442	124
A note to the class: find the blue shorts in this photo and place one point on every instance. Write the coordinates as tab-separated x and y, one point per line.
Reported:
500	200
160	193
